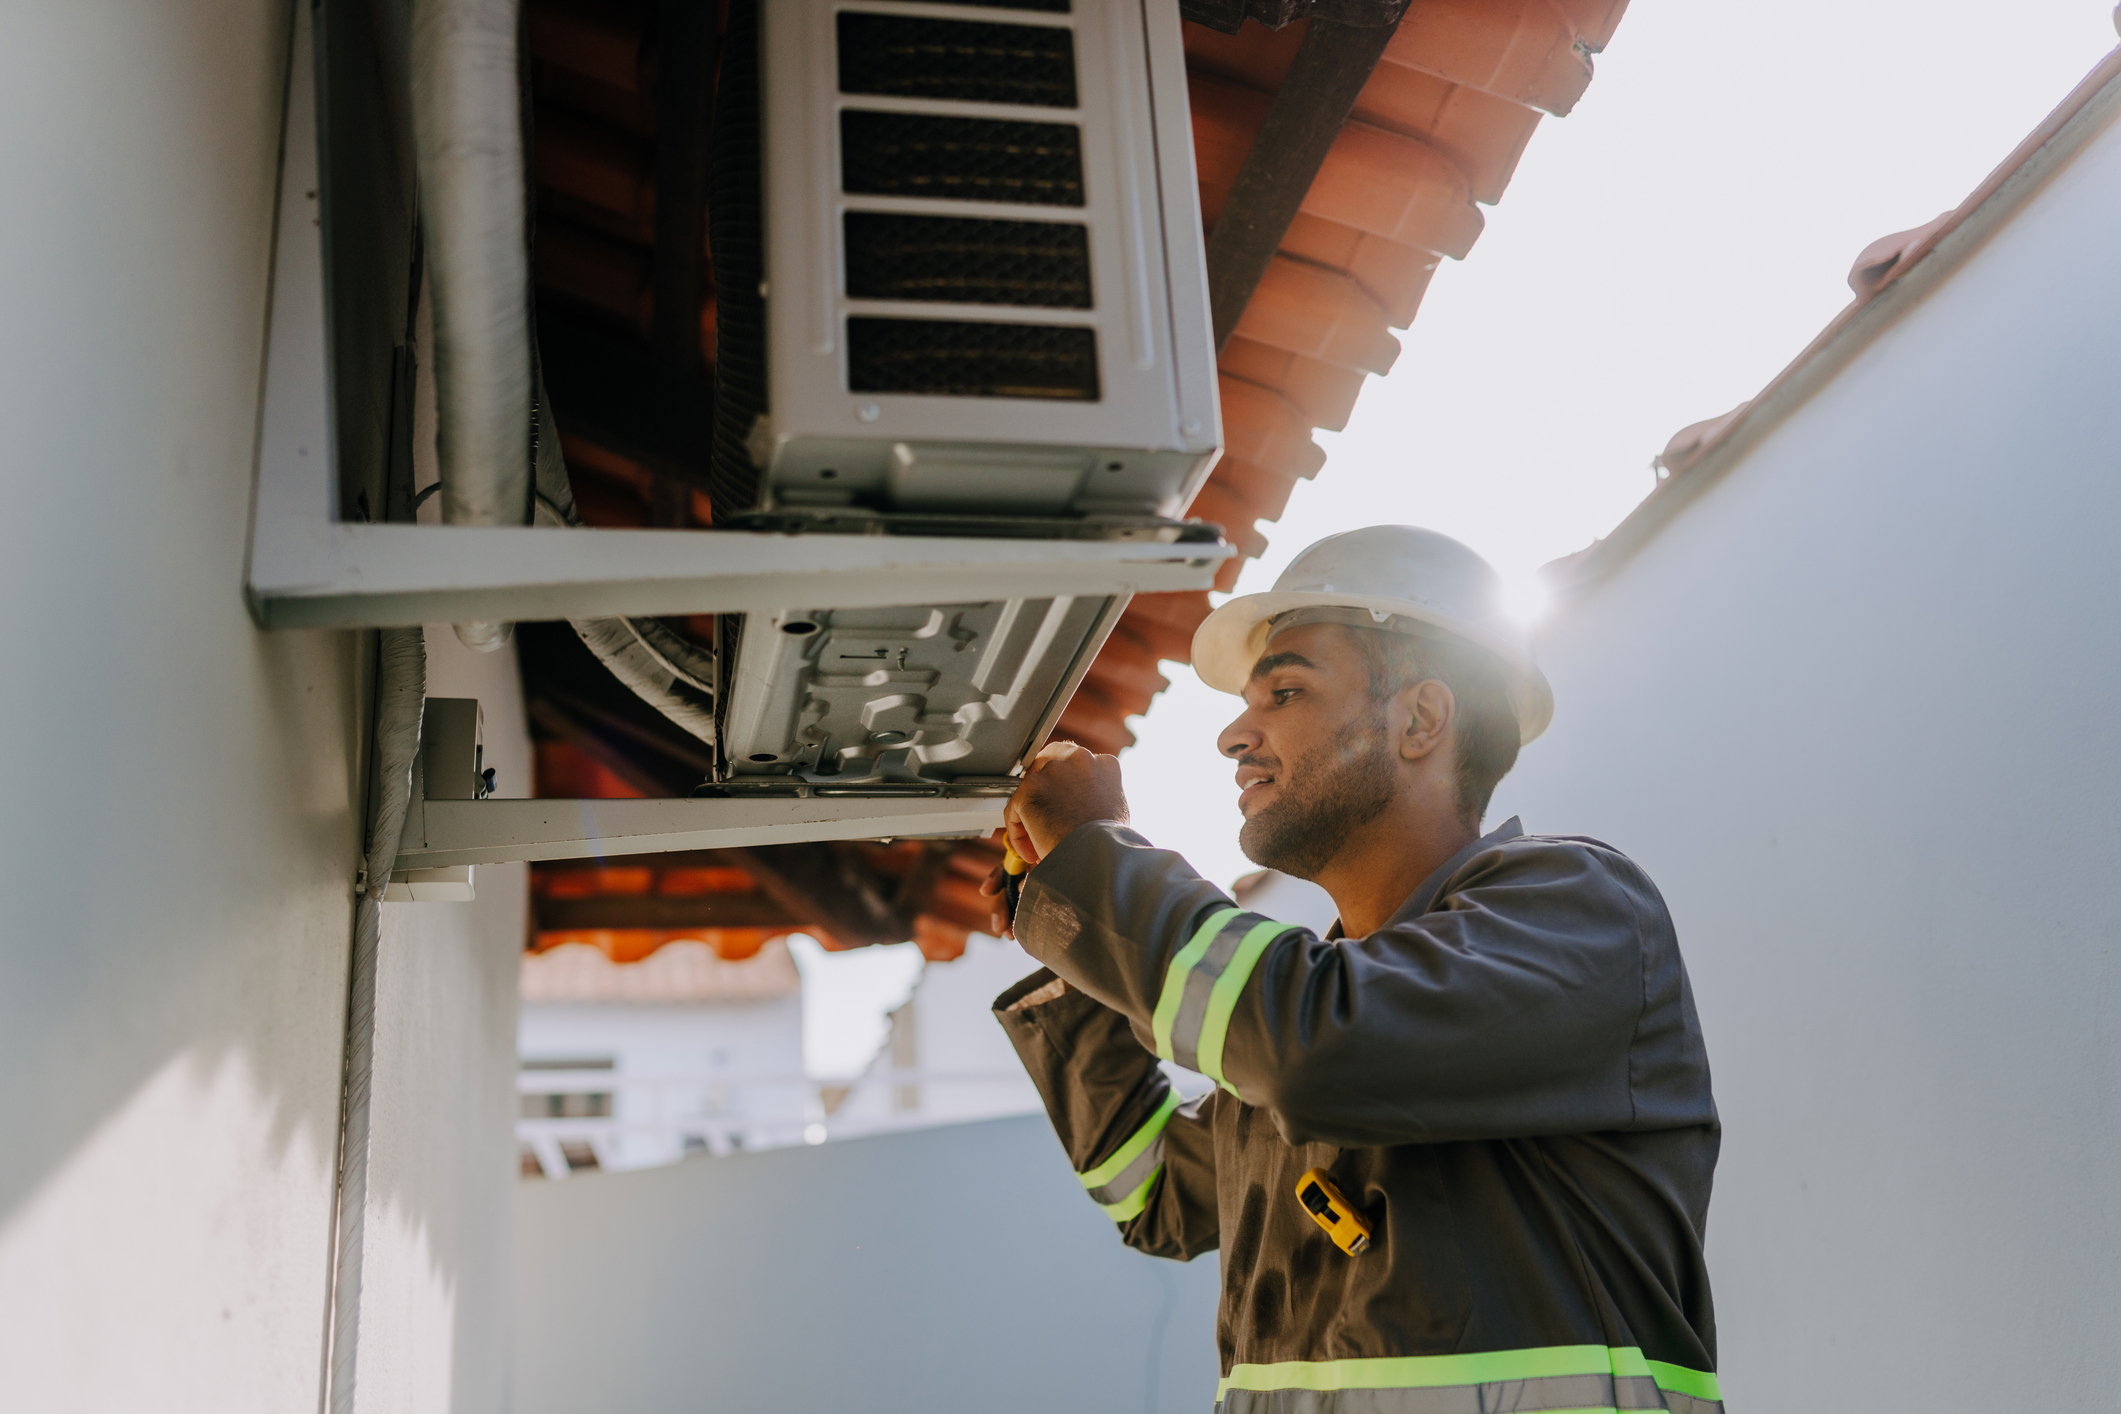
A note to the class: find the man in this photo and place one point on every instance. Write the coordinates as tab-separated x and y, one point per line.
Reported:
1494	1054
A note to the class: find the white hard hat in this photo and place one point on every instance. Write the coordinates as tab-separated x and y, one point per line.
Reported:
1393	571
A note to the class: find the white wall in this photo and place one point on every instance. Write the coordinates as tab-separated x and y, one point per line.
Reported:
180	835
958	1270
439	1232
1854	710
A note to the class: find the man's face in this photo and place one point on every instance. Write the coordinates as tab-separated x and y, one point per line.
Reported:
1315	758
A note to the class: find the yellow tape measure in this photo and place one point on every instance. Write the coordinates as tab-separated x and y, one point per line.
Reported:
1333	1212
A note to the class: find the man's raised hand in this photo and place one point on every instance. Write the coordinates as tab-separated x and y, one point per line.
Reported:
1066	785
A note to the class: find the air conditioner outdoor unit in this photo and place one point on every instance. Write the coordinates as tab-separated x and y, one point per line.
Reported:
984	311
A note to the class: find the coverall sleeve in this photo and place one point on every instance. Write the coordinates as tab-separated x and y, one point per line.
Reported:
1506	1011
1145	1155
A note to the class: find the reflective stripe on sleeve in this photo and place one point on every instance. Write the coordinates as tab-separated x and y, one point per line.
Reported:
1202	986
1120	1185
1581	1379
1176	976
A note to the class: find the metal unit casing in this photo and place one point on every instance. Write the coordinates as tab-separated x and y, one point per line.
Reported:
907	695
891	420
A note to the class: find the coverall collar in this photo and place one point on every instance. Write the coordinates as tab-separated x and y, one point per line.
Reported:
1424	897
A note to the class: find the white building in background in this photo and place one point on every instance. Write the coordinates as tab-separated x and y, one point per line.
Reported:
636	1064
1847	687
946	1059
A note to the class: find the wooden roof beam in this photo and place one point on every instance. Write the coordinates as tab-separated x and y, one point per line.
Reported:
1331	67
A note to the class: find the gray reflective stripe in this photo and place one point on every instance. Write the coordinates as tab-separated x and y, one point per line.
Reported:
1688	1404
1553	1392
1123	1184
1200	981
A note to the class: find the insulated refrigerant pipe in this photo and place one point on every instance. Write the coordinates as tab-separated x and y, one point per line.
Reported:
468	141
493	421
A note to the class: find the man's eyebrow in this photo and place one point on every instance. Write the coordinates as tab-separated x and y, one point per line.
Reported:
1273	661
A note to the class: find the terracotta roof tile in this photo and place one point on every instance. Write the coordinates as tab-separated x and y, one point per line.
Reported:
1397	187
1264	492
605	274
1483	135
1876	262
1319	313
1595	20
1261	425
1521	50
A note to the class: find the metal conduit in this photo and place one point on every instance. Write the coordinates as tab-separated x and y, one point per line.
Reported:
401	693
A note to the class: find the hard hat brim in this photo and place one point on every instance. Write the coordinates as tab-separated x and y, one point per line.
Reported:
1232	638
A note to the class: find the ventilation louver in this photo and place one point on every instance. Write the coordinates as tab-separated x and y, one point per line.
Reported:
982	244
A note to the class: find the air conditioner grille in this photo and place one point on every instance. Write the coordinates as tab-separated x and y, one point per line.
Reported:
963	261
911	56
971	360
960	159
1050	7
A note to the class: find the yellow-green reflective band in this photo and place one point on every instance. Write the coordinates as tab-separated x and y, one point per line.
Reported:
1490	1367
1175	979
1701	1384
1126	1153
1130	1207
1222	1002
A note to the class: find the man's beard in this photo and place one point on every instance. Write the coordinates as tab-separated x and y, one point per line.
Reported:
1347	783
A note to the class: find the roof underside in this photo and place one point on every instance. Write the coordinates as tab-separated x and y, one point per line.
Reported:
627	321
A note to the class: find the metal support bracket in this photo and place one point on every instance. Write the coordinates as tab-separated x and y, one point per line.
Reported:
307	569
449	827
454	832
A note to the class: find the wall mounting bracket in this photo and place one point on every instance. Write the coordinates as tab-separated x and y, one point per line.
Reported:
309	569
447	833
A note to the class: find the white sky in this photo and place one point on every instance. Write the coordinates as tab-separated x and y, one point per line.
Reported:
1660	254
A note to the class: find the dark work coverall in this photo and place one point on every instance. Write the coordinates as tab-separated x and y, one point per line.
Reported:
1507	1080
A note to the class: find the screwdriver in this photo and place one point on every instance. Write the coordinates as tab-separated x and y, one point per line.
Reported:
1013	870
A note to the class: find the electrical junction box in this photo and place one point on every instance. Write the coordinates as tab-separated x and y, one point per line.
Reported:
986	289
451	766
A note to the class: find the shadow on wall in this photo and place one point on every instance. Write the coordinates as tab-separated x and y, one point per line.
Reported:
947	1270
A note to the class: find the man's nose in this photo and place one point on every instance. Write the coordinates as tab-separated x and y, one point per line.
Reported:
1238	738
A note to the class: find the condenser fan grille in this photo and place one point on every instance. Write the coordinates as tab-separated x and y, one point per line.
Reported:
960	159
965	359
911	56
965	261
928	258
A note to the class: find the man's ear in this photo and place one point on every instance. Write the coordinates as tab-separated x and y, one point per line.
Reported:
1430	708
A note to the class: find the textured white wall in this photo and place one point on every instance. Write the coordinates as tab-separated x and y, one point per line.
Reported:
178	844
1854	710
181	820
957	1270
